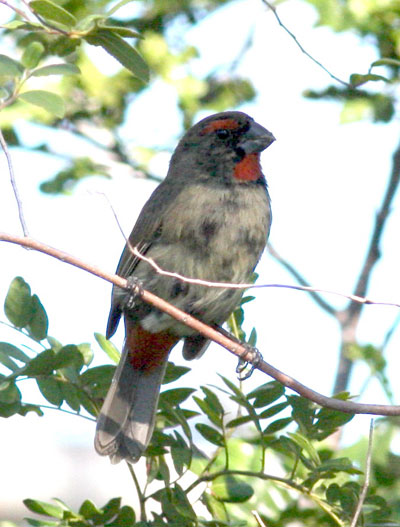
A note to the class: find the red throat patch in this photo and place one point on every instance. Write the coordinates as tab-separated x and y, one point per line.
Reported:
148	350
249	168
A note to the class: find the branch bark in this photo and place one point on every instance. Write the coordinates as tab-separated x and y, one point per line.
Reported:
237	349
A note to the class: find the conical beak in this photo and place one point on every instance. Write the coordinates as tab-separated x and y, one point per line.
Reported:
256	139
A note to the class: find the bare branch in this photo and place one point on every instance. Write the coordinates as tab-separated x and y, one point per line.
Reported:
293	36
364	490
234	347
14	184
18	11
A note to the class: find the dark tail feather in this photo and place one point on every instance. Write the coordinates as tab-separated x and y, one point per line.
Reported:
126	421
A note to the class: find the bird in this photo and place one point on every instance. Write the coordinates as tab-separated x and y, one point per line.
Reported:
208	219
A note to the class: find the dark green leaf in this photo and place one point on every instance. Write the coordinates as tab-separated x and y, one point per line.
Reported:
213	401
89	511
12	351
110	509
39	323
108	347
231	490
8	362
32	55
175	396
71	394
273	410
97	380
26	408
47	509
69	355
386	62
51	389
49	101
10	398
208	411
266	394
56	69
17	305
51	11
42	364
125	518
278	425
10	67
209	433
239	421
174	372
120	50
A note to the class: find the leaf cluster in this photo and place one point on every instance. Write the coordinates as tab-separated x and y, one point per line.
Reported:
209	443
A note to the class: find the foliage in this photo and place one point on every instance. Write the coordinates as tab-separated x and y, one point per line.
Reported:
244	431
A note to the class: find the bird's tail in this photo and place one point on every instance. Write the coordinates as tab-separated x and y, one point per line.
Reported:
126	421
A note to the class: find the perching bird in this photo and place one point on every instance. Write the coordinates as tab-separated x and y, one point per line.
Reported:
209	219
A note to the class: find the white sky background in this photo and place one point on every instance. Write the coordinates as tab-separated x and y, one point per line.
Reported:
326	182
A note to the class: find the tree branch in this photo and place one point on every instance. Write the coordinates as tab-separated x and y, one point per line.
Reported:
237	349
302	49
4	146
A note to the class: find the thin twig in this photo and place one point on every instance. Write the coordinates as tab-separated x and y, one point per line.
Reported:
302	49
140	494
364	490
237	349
302	281
14	184
18	11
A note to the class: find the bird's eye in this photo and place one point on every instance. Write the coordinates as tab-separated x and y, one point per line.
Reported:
222	133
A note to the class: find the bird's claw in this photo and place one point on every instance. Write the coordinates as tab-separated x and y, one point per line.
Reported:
255	359
134	290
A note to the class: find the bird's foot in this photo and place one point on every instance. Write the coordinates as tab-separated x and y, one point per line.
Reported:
252	362
134	290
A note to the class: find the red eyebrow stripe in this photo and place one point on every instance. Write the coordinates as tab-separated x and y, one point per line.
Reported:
220	124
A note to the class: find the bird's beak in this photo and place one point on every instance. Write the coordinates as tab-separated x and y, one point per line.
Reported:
256	139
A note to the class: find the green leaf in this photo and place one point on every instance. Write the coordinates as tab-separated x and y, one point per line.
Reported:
208	411
110	509
117	6
39	322
231	490
121	31
125	518
209	433
306	445
42	364
10	398
238	421
51	389
120	50
47	509
266	394
26	408
278	425
273	410
56	69
49	101
14	352
10	67
386	62
69	355
17	306
175	396
97	380
88	510
108	347
71	395
32	55
51	11
174	372
7	362
357	79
